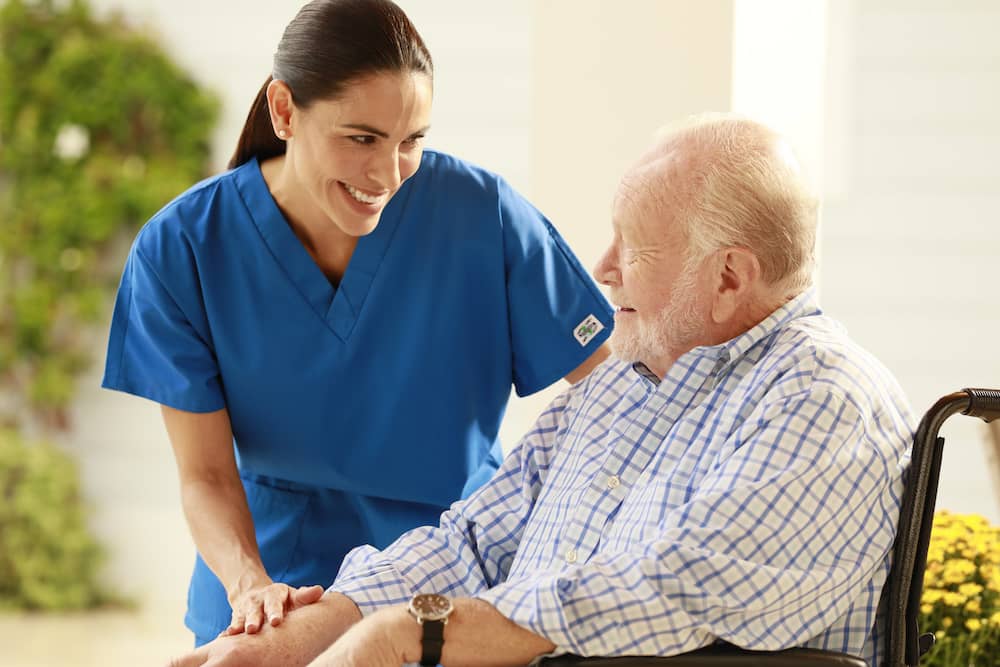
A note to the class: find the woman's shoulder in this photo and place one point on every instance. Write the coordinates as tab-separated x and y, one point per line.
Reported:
440	168
462	179
189	217
191	226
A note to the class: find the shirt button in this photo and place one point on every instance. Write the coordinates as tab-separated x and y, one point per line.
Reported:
571	556
613	482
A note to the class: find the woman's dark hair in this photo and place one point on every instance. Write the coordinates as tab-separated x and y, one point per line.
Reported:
328	45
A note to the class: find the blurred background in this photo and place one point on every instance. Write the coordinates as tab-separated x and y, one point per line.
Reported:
892	105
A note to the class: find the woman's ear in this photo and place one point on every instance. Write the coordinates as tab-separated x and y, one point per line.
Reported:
737	274
281	107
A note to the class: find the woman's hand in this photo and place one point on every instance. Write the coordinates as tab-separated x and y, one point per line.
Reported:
269	603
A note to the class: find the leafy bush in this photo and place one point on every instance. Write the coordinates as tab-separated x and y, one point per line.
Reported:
47	558
98	129
961	597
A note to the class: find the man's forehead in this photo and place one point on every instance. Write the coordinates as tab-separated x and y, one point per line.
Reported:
654	181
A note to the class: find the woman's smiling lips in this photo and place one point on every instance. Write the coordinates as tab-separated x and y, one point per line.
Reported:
364	197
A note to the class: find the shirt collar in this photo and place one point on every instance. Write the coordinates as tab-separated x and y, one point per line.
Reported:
803	305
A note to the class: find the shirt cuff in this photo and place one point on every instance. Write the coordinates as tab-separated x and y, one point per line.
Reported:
545	605
370	581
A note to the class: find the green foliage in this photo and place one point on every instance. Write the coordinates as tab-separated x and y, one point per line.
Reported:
47	558
98	129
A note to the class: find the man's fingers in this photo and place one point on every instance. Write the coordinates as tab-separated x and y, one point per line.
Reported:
194	659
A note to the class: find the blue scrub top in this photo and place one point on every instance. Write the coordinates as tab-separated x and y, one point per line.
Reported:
363	410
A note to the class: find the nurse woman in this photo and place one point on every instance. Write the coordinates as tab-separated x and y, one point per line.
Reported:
332	327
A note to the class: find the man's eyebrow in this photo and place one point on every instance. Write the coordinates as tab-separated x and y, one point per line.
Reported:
361	127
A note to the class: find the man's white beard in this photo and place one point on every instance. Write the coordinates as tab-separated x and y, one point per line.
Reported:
672	332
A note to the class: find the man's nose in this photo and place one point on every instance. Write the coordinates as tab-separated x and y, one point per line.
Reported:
606	272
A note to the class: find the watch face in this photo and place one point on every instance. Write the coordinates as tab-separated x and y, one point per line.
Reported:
430	607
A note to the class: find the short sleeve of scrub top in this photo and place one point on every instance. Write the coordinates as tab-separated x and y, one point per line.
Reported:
161	347
547	313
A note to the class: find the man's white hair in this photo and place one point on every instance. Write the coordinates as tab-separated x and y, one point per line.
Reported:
743	187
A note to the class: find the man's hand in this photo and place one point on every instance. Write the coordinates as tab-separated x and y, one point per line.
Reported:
304	634
387	638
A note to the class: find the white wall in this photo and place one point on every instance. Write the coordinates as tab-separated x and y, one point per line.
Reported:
911	229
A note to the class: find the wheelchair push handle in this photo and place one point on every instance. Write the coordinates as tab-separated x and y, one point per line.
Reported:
983	403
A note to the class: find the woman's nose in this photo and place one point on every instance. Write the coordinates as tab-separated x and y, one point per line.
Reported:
384	170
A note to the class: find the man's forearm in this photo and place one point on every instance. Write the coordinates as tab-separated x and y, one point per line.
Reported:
317	626
476	635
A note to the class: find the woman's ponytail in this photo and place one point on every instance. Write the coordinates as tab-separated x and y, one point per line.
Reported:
257	140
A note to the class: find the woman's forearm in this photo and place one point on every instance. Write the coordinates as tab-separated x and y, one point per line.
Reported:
223	531
213	498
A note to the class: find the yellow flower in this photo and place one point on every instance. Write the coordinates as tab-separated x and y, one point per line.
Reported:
973	607
995	619
932	595
927	609
970	589
954	599
946	622
973	624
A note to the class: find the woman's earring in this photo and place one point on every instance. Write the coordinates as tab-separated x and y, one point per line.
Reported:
283	134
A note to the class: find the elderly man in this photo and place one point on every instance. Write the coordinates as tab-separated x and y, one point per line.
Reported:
733	475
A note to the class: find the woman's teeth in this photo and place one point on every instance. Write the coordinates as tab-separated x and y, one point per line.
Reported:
361	196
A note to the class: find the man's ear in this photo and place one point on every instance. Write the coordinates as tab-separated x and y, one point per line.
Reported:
737	273
281	107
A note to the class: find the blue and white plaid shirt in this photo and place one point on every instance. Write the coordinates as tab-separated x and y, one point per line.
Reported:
751	496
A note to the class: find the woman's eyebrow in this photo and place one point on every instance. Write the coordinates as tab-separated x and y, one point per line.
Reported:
361	127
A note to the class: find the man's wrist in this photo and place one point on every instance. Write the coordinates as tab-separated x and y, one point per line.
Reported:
403	631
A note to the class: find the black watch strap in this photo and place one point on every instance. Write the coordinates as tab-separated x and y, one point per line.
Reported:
433	640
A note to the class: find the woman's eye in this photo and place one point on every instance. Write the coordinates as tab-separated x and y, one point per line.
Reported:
414	140
363	139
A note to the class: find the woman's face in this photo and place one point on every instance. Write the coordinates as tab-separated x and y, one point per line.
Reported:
350	155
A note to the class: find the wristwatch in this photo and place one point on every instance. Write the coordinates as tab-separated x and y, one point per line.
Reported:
431	611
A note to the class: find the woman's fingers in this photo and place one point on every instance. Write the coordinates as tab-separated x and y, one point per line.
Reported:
236	623
304	595
269	605
255	618
274	604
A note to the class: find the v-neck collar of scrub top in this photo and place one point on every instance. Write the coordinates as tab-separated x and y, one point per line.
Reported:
338	307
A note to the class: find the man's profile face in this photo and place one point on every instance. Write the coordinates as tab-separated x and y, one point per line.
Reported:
658	298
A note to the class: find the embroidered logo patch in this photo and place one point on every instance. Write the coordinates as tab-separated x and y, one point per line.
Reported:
586	330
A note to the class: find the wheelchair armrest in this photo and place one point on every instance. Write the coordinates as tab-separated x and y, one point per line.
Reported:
720	656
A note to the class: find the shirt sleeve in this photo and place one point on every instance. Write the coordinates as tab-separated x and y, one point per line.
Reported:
558	316
154	350
772	548
475	543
